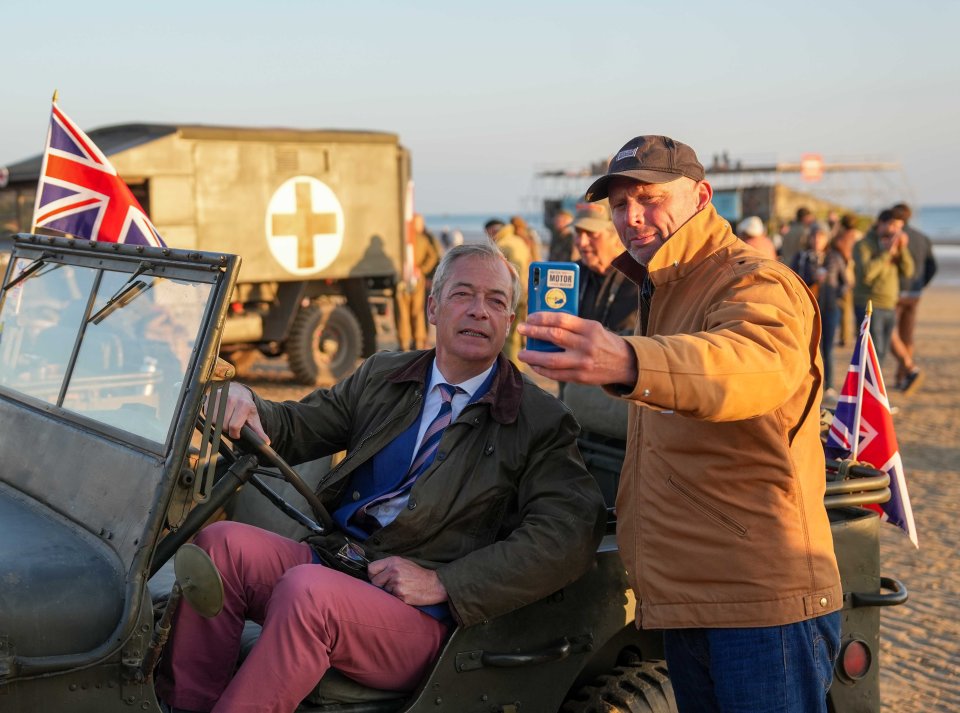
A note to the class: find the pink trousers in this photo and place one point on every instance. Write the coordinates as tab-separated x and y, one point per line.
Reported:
313	618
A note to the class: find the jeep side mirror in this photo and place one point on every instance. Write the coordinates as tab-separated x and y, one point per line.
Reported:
198	581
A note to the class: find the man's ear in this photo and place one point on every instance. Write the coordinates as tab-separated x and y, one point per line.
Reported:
704	194
431	310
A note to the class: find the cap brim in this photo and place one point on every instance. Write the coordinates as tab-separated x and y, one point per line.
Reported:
593	225
598	189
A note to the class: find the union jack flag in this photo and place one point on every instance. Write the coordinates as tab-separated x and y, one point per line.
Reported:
863	409
80	193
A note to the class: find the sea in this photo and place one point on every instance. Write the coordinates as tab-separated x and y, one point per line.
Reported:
940	222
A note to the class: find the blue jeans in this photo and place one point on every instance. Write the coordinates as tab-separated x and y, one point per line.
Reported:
830	318
774	669
882	323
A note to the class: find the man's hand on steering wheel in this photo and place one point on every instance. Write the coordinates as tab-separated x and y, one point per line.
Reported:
242	410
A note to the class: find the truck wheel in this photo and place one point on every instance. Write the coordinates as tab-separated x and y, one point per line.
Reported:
641	688
324	349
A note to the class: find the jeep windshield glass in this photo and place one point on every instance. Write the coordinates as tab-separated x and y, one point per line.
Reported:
124	371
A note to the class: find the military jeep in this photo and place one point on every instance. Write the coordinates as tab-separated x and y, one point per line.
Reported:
110	464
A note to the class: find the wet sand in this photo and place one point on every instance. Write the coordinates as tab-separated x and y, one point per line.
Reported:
920	640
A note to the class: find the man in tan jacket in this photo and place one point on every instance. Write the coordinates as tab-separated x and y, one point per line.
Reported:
721	523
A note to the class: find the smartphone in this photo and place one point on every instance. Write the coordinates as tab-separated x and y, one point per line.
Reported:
552	287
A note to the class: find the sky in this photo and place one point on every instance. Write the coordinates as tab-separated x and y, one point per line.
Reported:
485	94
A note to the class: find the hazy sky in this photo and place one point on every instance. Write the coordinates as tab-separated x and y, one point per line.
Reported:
486	93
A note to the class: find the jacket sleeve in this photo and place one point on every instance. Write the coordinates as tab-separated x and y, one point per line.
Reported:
562	521
929	267
758	342
906	266
317	425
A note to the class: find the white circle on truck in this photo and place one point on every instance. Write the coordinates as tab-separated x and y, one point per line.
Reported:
304	225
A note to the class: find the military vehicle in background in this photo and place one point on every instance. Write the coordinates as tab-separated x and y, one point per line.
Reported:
317	217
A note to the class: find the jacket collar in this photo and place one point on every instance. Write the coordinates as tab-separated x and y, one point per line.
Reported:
504	393
703	235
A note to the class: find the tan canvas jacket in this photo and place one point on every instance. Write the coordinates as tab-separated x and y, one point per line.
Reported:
721	521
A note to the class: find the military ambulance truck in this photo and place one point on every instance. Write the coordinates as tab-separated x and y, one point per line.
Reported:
317	217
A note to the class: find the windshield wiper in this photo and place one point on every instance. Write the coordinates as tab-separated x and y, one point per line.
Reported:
128	292
28	271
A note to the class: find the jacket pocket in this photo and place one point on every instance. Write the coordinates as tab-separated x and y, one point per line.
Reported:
707	509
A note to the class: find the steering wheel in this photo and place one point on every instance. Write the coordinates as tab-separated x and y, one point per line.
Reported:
258	446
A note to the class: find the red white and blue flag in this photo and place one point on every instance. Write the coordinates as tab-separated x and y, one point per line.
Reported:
863	408
80	193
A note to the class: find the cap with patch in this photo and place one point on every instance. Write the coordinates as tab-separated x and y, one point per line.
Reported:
649	159
593	217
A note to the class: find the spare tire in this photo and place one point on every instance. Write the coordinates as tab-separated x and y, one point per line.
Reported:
324	345
640	688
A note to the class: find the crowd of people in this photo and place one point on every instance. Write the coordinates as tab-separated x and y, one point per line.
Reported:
887	267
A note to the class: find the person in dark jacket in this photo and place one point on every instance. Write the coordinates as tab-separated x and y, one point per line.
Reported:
909	375
462	497
824	270
563	239
606	296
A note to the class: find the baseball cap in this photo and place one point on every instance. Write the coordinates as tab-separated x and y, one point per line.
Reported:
650	159
751	227
593	217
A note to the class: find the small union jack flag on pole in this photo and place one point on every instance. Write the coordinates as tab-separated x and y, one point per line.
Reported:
80	193
863	409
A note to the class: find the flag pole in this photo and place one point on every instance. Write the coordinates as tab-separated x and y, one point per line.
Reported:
865	329
43	165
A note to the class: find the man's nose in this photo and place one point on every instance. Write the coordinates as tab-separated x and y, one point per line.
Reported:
635	214
478	307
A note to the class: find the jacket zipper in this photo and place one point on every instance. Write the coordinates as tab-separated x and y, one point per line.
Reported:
709	510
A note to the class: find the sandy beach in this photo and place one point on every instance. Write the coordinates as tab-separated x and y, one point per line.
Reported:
920	641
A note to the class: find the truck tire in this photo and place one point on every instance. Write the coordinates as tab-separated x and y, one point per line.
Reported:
324	346
640	688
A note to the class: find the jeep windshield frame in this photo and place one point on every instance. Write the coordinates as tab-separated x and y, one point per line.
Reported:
78	342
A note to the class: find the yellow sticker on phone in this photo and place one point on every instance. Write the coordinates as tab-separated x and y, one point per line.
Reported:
555	298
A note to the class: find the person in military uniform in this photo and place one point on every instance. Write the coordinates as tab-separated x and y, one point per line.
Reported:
412	290
517	252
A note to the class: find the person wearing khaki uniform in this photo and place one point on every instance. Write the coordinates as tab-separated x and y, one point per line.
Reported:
411	295
515	249
720	516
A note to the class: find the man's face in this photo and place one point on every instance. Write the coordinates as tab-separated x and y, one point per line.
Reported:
562	220
598	249
889	228
647	214
418	223
472	316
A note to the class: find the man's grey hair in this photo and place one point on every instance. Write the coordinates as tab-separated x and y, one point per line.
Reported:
486	250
